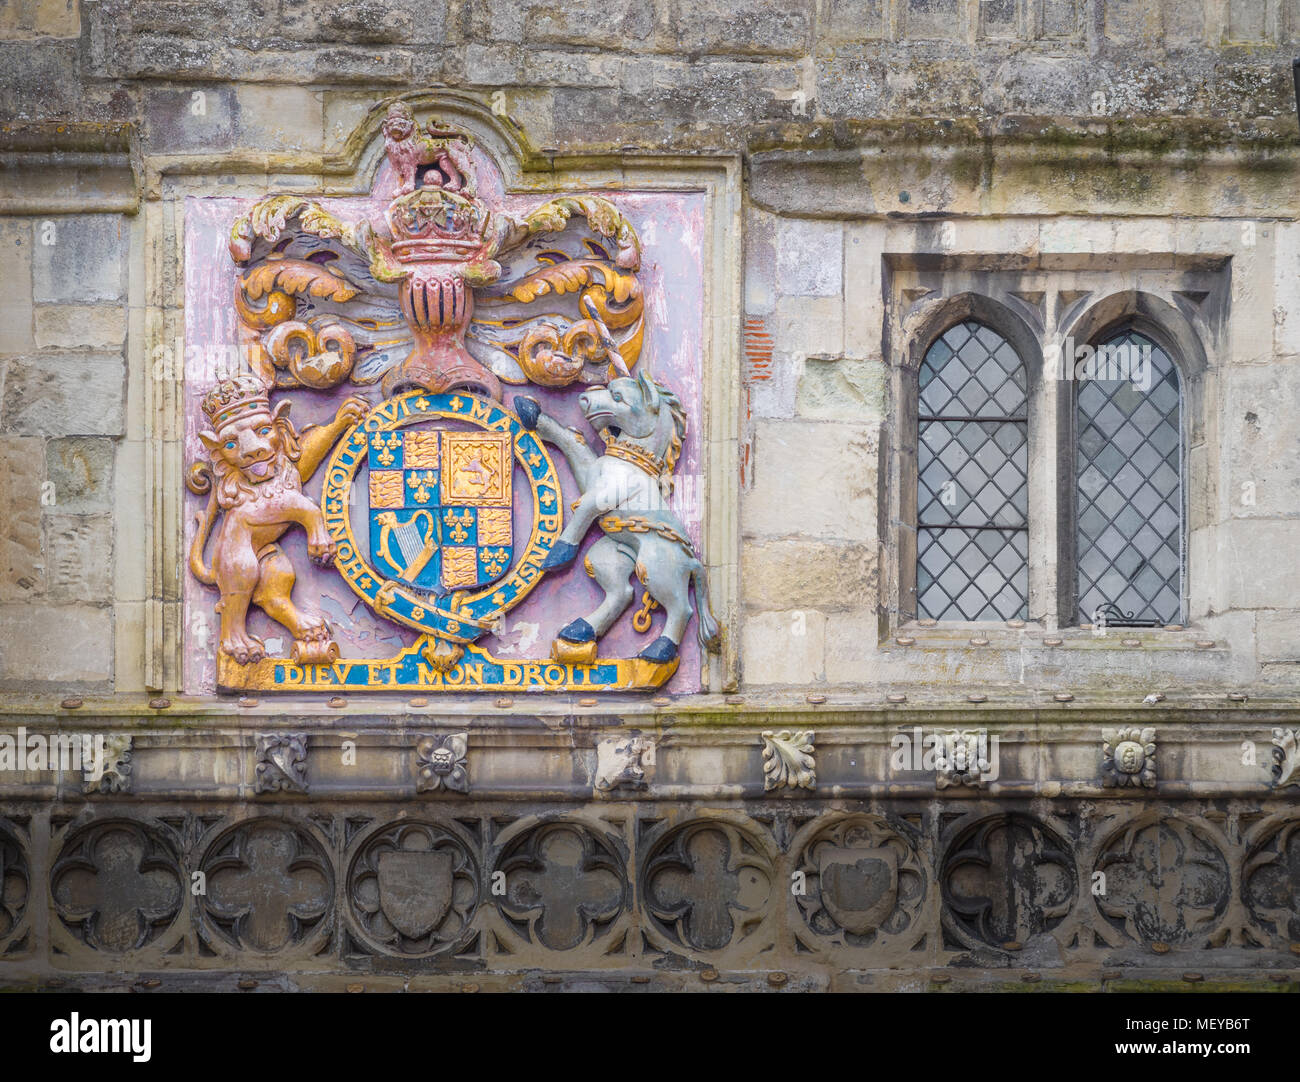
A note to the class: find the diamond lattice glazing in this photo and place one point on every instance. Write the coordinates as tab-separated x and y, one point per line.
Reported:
972	478
1129	474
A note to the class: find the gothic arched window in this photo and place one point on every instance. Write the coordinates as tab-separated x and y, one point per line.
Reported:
972	554
1129	473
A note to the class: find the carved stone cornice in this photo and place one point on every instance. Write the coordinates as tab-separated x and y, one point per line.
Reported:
703	748
817	170
69	168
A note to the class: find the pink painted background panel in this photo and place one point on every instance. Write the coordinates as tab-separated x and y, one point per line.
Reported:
671	228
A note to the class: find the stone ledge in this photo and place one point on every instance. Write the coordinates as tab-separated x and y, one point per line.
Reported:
69	168
854	706
755	707
860	170
564	758
26	977
1111	135
1032	636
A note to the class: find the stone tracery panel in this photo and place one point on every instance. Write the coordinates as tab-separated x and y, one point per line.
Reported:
565	885
269	886
15	888
706	884
1007	879
611	888
1167	881
117	886
413	889
864	882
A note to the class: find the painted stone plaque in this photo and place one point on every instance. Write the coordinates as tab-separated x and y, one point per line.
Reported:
445	437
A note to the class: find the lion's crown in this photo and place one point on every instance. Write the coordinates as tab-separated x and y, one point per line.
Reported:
235	396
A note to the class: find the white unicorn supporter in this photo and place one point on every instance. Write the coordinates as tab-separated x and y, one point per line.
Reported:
642	424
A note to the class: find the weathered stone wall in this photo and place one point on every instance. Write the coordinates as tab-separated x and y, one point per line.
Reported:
658	73
200	866
810	94
63	419
1068	160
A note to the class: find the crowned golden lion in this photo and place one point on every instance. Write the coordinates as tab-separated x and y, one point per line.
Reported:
258	465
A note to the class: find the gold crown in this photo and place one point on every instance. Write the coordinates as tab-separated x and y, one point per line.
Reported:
450	220
235	396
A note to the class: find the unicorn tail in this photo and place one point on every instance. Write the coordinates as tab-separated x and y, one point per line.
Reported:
710	634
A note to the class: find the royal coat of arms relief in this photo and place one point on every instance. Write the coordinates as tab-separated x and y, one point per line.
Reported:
459	447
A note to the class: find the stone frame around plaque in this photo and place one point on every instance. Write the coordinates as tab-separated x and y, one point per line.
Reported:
170	626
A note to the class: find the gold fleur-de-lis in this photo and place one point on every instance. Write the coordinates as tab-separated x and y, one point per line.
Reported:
494	560
458	524
386	447
419	482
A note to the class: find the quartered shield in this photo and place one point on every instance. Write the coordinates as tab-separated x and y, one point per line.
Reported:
415	890
859	887
441	515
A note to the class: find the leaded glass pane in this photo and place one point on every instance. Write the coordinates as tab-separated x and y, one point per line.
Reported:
972	371
972	478
1129	483
971	574
985	461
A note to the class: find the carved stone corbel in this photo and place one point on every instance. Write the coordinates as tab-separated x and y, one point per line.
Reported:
1286	758
961	758
621	762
